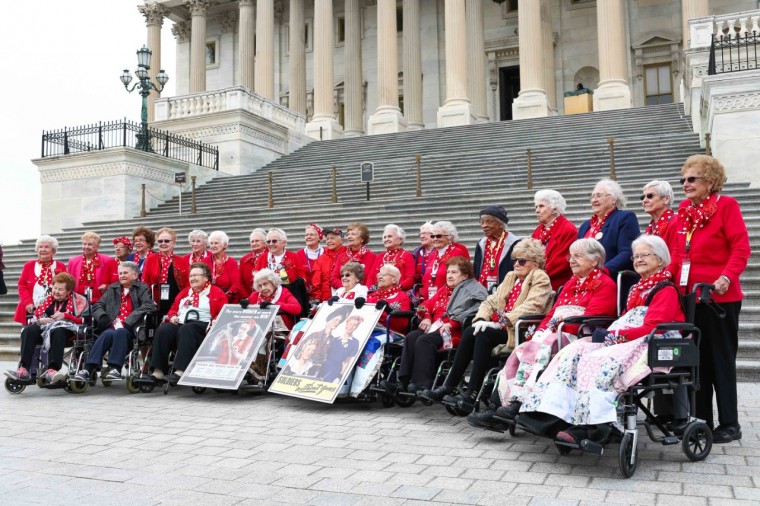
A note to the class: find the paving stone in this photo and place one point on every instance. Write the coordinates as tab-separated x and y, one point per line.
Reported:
412	492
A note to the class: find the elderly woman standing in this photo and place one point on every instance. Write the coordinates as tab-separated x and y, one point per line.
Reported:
556	233
614	228
143	239
225	273
656	200
93	271
357	237
323	267
166	272
122	247
493	252
525	290
36	278
198	240
284	263
394	254
258	239
712	246
308	255
422	252
445	238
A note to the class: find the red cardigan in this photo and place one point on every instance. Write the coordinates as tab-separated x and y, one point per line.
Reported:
443	295
320	277
456	250
400	299
289	306
289	261
217	300
665	307
405	264
105	273
367	260
26	288
599	302
564	233
247	270
721	247
229	280
152	273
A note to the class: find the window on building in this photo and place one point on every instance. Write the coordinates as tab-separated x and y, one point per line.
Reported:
399	19
306	37
342	114
340	37
401	103
211	53
658	88
511	5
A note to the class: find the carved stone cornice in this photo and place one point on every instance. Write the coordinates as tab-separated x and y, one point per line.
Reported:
105	170
154	13
181	31
228	21
740	101
198	7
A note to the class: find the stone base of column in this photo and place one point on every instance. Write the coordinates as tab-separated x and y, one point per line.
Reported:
415	126
531	104
612	95
386	121
352	133
324	129
457	114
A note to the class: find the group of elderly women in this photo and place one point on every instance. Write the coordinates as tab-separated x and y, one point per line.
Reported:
466	306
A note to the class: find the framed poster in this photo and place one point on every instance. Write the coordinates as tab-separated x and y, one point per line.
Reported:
230	347
327	352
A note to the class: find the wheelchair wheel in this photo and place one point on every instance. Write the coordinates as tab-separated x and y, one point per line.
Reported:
405	401
77	387
14	387
627	457
697	441
199	390
146	389
131	387
387	400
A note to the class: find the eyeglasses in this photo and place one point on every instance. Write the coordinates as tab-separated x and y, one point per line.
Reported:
595	196
575	256
163	241
690	179
438	236
642	256
272	241
649	196
197	276
349	274
521	261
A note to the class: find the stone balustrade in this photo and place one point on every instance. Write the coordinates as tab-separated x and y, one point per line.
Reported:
701	30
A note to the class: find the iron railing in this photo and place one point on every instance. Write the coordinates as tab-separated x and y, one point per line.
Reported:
123	133
733	53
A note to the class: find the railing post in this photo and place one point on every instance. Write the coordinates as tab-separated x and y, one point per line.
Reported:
192	207
530	168
124	141
271	196
708	149
611	142
65	141
334	185
418	160
143	213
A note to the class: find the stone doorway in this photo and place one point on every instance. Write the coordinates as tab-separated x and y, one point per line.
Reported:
509	88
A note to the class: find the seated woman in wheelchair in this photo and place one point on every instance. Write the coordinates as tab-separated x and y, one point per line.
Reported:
55	320
194	309
123	305
580	387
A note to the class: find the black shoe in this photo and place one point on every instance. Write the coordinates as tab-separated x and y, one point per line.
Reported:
485	420
173	378
413	389
437	394
574	434
509	411
727	433
677	427
390	387
463	401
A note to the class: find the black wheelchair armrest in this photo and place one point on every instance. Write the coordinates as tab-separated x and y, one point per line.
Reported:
596	321
586	318
402	314
676	326
532	317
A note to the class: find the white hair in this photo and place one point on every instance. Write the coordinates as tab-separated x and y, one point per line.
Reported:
280	232
260	232
616	191
52	241
266	275
393	270
658	245
663	189
398	230
552	198
428	225
449	228
218	234
592	248
197	233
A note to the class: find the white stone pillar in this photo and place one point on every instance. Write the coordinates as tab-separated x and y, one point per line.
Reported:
387	117
198	10
456	110
412	66
532	101
264	78
323	124
691	9
613	91
245	43
548	35
476	49
352	92
297	59
154	18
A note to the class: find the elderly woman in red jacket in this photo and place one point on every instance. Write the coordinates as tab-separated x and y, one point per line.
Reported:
556	233
657	199
284	263
225	272
323	266
392	296
357	238
394	254
712	246
269	291
36	279
258	240
445	237
308	255
165	272
122	247
198	240
92	271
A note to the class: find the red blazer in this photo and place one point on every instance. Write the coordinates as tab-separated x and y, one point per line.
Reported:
564	233
217	300
401	302
247	270
367	260
456	250
105	273
721	247
26	288
229	280
152	273
599	302
290	261
320	277
207	256
289	306
405	264
443	295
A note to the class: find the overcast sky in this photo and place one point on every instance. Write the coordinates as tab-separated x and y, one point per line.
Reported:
61	69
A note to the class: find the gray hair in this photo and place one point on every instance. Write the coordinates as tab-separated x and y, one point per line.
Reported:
663	189
449	228
354	267
132	266
393	270
260	232
399	231
552	198
616	191
266	275
197	233
52	241
280	232
657	244
592	248
428	225
218	234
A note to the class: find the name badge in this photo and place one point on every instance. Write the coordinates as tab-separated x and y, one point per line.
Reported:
431	291
685	268
164	291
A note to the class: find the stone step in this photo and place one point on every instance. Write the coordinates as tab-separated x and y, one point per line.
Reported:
749	348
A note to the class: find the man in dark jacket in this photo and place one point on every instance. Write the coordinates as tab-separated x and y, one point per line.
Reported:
123	305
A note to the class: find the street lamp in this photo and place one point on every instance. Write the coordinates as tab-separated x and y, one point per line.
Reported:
145	85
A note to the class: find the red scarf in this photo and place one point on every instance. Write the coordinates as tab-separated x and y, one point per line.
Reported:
513	295
595	226
356	256
439	258
69	303
126	304
87	275
194	259
267	298
166	262
137	256
575	289
387	293
638	294
218	268
545	232
658	228
491	258
46	273
392	257
693	217
197	295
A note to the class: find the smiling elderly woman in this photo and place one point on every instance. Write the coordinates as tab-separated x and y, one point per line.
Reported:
656	199
556	233
394	254
36	279
198	241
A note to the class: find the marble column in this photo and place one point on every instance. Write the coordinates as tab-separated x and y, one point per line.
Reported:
352	92
154	18
613	91
691	9
548	35
456	110
264	78
532	101
198	10
387	117
323	124
412	63
246	29
476	84
297	59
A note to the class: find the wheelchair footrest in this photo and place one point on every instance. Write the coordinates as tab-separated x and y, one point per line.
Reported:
670	440
591	446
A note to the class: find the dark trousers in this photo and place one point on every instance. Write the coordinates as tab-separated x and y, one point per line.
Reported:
118	341
717	362
478	349
31	336
418	358
185	339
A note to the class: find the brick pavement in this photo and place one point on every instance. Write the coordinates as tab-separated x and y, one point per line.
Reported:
107	446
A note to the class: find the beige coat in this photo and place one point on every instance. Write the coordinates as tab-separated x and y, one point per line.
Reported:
536	297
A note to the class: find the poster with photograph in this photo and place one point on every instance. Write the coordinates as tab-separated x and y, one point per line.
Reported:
229	349
327	352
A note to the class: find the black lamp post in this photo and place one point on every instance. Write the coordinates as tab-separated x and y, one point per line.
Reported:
145	85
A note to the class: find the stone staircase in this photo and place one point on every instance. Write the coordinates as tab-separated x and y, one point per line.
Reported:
462	169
